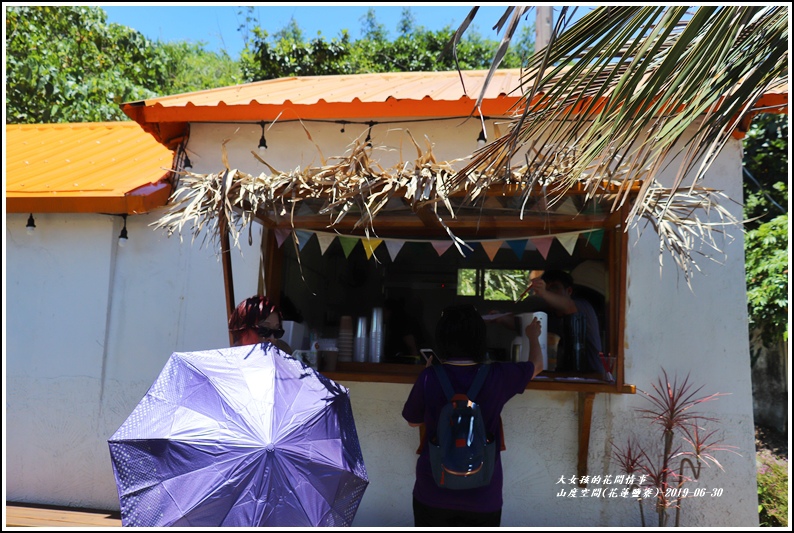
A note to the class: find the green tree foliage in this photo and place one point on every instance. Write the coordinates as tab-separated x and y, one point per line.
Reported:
415	49
288	54
192	68
67	64
766	258
766	168
767	239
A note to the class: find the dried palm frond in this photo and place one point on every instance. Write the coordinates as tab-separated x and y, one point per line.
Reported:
683	220
358	184
622	86
354	183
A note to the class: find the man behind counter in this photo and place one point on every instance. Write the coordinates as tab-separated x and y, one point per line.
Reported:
552	293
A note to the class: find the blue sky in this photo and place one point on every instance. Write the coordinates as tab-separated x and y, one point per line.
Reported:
216	25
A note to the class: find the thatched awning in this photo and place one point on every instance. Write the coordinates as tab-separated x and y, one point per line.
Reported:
357	196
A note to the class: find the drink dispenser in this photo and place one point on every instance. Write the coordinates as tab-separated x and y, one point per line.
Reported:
520	347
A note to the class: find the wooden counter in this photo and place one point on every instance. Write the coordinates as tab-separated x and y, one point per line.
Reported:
407	373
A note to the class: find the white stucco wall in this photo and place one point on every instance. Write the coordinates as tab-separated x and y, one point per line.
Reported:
71	383
88	327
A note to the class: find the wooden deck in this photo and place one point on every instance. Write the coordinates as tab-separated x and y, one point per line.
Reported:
29	515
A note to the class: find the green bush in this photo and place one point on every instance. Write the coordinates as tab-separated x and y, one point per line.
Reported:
772	475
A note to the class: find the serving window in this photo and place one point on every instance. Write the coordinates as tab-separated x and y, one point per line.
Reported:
325	276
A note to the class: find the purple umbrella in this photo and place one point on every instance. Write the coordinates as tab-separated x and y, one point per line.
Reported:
244	436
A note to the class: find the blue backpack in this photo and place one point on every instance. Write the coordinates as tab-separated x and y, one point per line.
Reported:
462	455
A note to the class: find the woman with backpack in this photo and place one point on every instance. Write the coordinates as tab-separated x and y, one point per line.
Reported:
443	495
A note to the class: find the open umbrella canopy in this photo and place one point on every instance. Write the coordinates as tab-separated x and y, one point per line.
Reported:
244	436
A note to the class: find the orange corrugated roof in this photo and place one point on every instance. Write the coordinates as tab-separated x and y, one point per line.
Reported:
355	96
104	167
320	92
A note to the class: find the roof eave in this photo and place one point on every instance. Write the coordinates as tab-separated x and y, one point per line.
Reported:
169	125
139	201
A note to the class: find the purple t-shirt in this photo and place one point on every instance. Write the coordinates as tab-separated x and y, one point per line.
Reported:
424	405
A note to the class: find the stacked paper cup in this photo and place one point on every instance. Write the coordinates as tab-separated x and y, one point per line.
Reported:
345	340
376	336
361	341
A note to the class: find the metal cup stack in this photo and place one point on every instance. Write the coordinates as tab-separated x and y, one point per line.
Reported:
376	336
361	341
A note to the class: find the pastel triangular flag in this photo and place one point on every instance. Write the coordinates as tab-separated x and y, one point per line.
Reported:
303	237
348	243
595	238
567	208
304	211
370	245
543	244
394	248
281	235
518	246
491	247
441	246
568	242
325	240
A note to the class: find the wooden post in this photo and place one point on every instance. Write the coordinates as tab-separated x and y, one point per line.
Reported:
585	419
226	258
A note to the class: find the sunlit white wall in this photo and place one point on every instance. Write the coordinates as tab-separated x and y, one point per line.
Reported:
88	327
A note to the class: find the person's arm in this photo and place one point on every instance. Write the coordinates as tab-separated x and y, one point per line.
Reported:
413	409
535	352
559	303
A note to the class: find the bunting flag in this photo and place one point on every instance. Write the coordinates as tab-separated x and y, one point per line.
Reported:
595	238
370	245
348	243
543	244
304	211
441	246
281	235
491	247
303	237
518	246
394	248
568	242
325	240
567	208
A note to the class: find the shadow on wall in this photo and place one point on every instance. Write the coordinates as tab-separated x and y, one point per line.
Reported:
769	374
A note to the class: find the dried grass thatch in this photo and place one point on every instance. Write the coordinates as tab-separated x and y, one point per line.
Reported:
357	185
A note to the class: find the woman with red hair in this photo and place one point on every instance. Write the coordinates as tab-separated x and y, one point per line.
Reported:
256	320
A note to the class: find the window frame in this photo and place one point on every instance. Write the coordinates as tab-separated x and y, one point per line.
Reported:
616	240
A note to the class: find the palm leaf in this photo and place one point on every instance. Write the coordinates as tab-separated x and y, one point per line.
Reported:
627	89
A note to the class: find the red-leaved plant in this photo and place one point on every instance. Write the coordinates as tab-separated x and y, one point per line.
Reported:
663	471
